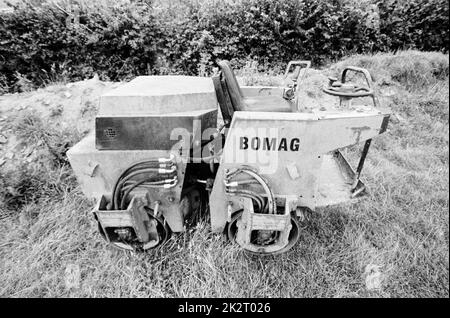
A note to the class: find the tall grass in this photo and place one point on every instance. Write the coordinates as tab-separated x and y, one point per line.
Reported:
399	232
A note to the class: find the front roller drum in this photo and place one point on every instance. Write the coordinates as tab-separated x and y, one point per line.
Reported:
262	242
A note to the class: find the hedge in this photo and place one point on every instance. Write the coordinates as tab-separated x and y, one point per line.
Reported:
72	40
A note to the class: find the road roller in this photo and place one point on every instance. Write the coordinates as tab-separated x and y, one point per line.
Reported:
169	151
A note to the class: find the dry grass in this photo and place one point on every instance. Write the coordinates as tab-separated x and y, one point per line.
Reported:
392	244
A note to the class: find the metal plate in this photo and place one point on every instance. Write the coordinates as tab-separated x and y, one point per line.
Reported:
150	132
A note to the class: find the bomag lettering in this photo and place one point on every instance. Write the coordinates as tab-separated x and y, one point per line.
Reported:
269	144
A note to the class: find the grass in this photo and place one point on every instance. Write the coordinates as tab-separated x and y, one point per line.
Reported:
400	232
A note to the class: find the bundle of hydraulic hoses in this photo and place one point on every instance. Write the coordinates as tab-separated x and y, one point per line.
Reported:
233	188
150	173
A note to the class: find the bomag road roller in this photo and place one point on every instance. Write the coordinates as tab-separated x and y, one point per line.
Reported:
169	150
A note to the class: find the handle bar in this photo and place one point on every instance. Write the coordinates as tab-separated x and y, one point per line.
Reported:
355	69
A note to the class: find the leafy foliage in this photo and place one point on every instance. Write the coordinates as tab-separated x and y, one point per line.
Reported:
47	41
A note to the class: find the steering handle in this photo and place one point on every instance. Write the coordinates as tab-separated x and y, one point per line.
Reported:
355	69
358	91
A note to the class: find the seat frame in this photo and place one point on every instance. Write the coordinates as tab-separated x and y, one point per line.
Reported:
230	95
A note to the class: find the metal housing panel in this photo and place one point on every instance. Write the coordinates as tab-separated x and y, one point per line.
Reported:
156	95
97	170
291	169
150	132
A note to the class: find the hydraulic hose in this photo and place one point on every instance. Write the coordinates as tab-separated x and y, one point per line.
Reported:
270	196
250	194
150	161
116	190
151	166
134	186
168	183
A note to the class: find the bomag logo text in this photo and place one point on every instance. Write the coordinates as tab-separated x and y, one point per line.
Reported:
269	144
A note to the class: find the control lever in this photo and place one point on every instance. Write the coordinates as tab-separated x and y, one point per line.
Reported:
294	78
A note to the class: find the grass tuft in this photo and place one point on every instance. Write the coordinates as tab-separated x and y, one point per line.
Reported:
411	69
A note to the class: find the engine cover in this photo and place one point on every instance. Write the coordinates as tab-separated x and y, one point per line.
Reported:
149	132
155	112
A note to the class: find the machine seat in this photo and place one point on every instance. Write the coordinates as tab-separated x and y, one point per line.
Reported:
232	99
266	104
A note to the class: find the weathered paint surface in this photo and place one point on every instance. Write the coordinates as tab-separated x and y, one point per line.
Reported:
358	131
153	95
318	134
97	171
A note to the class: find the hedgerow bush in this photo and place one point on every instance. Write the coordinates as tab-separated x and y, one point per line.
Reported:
71	40
49	42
